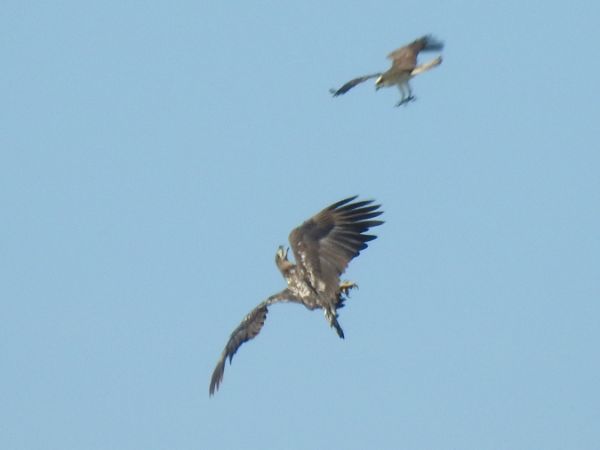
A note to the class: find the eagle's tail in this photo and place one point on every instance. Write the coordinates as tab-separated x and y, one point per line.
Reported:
331	316
427	66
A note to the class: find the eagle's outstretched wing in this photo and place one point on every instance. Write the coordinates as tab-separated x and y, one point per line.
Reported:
350	84
324	245
405	58
248	329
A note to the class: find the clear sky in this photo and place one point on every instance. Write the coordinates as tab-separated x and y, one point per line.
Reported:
153	155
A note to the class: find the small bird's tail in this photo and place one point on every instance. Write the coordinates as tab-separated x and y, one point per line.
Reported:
428	65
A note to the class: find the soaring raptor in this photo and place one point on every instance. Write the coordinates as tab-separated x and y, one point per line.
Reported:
323	246
404	67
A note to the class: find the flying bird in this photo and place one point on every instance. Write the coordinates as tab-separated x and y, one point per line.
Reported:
322	246
404	67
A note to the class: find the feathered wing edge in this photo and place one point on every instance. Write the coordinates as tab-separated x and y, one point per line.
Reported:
248	329
350	84
341	243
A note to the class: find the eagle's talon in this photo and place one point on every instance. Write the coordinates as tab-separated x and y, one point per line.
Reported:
347	286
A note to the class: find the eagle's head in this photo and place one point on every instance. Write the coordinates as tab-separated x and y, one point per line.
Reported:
379	82
281	259
281	254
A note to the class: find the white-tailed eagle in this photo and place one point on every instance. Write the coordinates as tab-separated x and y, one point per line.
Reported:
322	246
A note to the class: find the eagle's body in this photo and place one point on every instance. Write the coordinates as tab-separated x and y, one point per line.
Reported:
322	246
404	67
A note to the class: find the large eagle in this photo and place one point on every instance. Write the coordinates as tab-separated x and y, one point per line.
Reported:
323	246
404	67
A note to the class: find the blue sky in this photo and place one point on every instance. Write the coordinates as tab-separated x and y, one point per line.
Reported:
154	155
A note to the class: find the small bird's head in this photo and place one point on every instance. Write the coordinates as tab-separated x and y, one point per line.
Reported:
379	82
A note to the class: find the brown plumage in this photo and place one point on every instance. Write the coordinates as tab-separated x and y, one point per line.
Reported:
323	246
404	67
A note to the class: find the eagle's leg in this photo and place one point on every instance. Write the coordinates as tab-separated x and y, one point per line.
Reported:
331	317
346	286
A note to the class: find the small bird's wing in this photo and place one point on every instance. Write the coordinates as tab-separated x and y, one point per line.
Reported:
325	244
248	329
350	84
405	58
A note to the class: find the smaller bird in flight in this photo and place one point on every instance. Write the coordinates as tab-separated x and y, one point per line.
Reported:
404	67
323	246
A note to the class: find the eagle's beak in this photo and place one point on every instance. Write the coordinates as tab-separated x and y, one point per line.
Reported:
280	252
